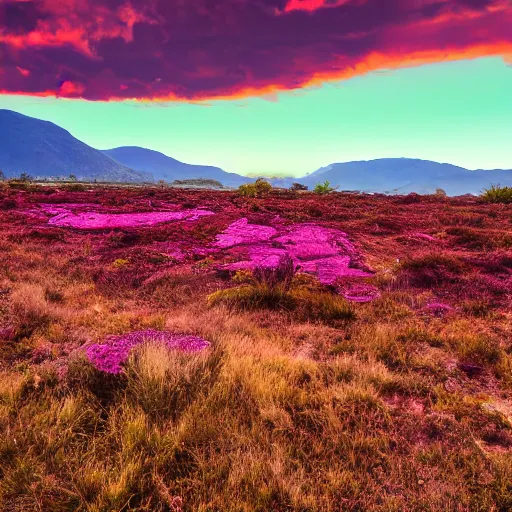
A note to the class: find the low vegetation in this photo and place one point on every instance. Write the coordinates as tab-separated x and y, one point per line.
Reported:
282	289
498	194
303	401
323	188
199	182
259	188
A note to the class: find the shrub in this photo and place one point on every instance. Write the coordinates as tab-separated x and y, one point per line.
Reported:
264	288
298	186
257	189
75	187
25	177
281	288
497	194
324	188
440	193
431	269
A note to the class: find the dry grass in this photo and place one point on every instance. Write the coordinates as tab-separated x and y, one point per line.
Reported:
309	405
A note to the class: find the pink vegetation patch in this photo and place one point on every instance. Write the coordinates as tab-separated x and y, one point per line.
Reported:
241	232
91	220
111	355
324	252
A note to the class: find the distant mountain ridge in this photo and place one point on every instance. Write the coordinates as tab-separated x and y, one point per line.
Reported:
43	149
405	175
163	167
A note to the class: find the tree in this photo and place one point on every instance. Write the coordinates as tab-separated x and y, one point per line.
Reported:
298	186
324	188
25	177
259	188
72	177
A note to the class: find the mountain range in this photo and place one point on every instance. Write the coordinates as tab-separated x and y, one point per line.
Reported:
163	167
44	150
405	175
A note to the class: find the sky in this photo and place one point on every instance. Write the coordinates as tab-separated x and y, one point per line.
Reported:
268	86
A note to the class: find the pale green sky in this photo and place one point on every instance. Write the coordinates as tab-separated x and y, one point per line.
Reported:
458	112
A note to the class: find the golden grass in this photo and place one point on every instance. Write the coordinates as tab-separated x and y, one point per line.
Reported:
302	408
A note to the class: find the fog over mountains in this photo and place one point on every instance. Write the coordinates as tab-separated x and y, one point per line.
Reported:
43	149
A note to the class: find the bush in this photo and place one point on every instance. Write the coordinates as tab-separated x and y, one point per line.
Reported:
265	288
431	269
75	187
497	194
323	188
280	288
257	189
296	187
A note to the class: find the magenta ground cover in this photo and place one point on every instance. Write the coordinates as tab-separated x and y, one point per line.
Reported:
114	352
241	232
93	220
324	252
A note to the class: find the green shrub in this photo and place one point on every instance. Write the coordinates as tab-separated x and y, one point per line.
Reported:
323	188
497	194
257	189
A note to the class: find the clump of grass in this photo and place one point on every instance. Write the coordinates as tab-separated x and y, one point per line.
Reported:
279	288
497	194
163	382
120	263
30	308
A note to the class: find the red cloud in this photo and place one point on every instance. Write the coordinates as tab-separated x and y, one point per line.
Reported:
313	5
195	50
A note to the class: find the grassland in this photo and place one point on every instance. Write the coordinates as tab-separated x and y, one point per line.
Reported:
403	403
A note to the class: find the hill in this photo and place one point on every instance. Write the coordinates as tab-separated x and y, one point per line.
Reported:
163	167
405	175
43	149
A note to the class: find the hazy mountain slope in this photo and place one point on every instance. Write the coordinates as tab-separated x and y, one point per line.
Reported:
404	175
43	149
163	167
